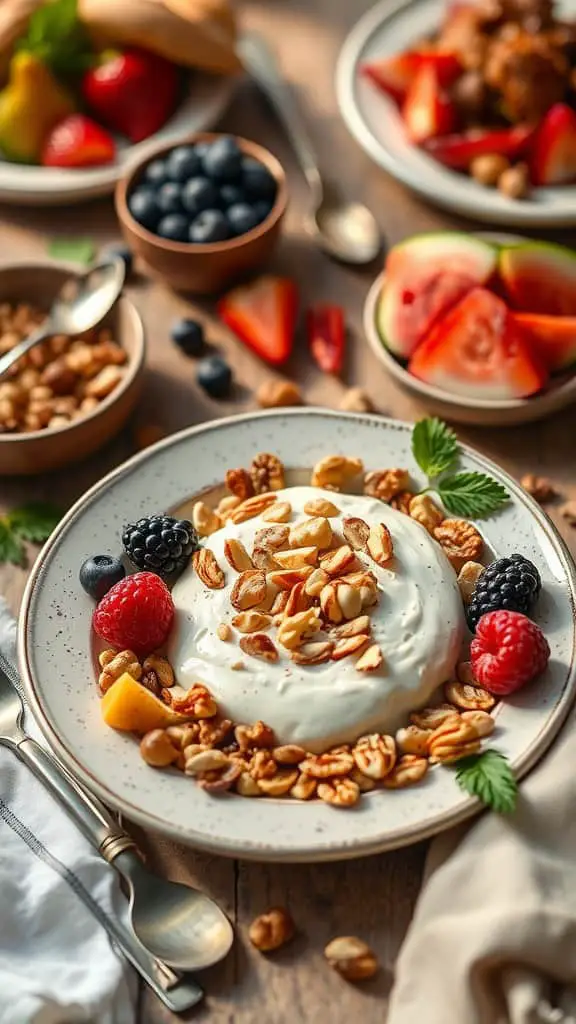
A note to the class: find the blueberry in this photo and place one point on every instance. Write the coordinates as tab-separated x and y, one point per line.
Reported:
231	194
183	163
188	335
262	209
122	252
241	218
144	208
99	573
257	180
169	197
215	376
173	227
155	173
223	159
209	226
199	194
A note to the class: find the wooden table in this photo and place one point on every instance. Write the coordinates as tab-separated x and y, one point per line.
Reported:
372	898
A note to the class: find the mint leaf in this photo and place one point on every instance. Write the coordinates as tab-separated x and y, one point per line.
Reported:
489	777
34	521
11	549
58	39
75	250
472	494
434	446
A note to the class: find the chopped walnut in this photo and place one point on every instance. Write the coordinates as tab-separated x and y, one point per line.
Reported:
431	718
355	400
386	483
539	487
454	739
257	735
339	792
375	755
328	765
266	473
274	394
461	542
239	483
413	740
161	666
198	702
471	698
271	930
409	770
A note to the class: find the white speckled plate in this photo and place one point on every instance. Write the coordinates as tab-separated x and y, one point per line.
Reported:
373	119
56	657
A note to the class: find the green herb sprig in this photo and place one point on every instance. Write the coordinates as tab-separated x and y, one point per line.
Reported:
32	522
56	36
489	777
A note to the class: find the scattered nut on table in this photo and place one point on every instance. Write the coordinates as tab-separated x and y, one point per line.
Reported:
539	487
271	930
352	958
356	400
274	394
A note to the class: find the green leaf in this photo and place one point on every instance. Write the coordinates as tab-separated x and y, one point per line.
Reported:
489	777
11	548
434	446
75	250
472	494
57	38
34	521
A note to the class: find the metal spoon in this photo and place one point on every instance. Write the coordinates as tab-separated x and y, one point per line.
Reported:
345	230
81	304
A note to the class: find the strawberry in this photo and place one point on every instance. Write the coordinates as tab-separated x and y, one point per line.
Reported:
263	315
459	150
554	154
393	75
427	109
78	142
133	93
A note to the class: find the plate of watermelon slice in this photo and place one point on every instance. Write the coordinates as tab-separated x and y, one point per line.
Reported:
481	328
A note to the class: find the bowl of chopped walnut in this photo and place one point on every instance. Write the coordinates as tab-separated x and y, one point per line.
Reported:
68	396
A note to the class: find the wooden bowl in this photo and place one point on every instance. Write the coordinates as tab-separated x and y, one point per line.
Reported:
44	450
209	268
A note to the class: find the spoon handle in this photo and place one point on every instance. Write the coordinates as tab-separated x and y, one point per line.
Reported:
24	346
260	61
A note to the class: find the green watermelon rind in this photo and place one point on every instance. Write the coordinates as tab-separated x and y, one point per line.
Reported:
550	256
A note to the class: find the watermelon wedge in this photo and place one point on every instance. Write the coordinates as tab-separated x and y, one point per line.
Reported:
554	337
540	277
478	350
425	276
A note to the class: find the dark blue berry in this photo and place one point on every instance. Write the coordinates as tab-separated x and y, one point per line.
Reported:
230	195
209	226
222	161
183	163
155	173
511	583
198	195
122	252
173	227
202	148
144	208
257	180
241	218
99	573
215	376
262	209
188	335
169	197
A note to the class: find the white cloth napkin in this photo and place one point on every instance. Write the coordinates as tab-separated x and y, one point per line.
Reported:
57	964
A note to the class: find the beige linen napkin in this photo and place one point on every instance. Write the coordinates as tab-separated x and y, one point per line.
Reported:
493	939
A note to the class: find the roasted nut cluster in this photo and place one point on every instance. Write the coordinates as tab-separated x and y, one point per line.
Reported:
58	381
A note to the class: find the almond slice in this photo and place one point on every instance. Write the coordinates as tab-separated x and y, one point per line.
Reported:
296	558
258	645
354	627
236	555
370	660
379	544
252	507
279	512
321	507
349	645
248	590
298	600
356	532
335	562
285	579
314	653
207	569
316	582
251	621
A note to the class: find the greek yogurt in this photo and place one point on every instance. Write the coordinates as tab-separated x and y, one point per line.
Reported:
418	624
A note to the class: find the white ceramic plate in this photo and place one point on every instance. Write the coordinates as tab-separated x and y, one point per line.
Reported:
373	119
57	664
50	186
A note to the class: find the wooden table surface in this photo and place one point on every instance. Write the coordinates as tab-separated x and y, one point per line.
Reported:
372	898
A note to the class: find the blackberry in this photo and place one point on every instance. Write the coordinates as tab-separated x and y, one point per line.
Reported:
512	583
161	544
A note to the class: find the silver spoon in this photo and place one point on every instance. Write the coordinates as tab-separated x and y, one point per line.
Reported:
177	924
345	230
81	304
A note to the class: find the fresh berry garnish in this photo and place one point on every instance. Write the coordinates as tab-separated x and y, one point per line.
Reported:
133	92
263	315
231	194
198	195
241	218
144	208
222	161
77	141
262	209
183	163
188	335
156	173
209	226
257	180
511	583
161	544
508	651
122	252
136	614
173	227
99	573
169	197
215	376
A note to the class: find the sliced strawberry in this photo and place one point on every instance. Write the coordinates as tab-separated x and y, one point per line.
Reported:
427	110
477	350
554	153
78	142
459	150
263	315
393	75
554	337
326	336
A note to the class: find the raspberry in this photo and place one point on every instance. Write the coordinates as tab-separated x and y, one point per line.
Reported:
508	651
136	614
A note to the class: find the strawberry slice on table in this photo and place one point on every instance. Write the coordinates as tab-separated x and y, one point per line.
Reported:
133	92
77	141
460	149
393	75
427	110
326	336
554	154
263	315
478	350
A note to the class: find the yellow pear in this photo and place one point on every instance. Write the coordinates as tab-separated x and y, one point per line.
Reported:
30	105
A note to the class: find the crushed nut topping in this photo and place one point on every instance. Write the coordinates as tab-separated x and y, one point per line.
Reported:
539	487
375	756
239	483
296	557
386	483
251	621
352	628
339	792
285	579
114	664
349	645
356	532
336	471
467	578
279	512
258	645
452	740
413	740
326	766
481	721
297	600
294	629
461	542
426	512
266	473
470	698
401	502
304	788
252	507
321	507
160	666
371	660
379	544
409	770
207	569
335	562
249	590
276	394
205	520
236	555
431	718
316	652
198	702
290	753
315	532
316	582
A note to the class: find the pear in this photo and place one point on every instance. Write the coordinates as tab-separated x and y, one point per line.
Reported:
30	105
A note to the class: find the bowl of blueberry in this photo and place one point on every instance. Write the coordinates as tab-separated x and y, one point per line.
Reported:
204	212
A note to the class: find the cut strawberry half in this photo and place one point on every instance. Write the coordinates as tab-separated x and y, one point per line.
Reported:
393	75
263	315
477	350
427	111
554	153
78	141
459	150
